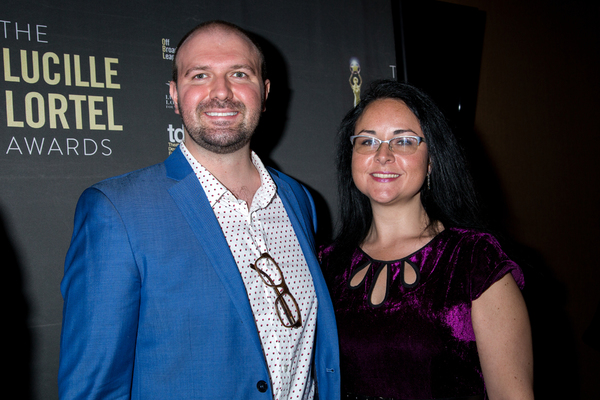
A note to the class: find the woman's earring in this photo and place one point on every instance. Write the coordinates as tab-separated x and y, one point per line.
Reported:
428	181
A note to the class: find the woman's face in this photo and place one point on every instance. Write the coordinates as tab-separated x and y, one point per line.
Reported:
386	177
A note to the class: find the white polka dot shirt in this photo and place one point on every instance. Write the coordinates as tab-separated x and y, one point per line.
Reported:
266	228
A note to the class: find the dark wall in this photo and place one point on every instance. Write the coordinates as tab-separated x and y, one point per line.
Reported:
534	67
535	155
438	49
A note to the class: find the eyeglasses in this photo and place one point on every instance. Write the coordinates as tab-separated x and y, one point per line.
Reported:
404	145
287	308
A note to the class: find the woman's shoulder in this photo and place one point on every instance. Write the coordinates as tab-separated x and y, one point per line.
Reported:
325	250
475	245
474	237
484	255
324	254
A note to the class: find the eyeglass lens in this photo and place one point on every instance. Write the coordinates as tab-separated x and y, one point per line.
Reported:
400	145
270	271
287	308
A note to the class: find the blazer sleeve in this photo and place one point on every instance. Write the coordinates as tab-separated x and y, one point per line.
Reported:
101	291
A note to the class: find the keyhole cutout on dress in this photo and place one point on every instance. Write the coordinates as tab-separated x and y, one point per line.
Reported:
410	274
379	287
379	290
359	276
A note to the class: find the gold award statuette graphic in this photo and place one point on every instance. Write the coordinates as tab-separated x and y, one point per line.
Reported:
355	79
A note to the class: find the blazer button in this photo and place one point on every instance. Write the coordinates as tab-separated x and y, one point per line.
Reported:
262	386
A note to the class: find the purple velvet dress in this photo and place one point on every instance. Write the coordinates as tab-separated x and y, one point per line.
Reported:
418	343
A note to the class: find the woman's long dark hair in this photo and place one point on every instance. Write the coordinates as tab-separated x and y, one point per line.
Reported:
451	198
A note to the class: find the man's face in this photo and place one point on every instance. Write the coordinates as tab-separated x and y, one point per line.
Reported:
220	93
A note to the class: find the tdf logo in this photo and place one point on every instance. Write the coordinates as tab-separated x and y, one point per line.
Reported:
176	136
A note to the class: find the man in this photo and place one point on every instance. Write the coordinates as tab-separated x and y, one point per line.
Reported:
197	278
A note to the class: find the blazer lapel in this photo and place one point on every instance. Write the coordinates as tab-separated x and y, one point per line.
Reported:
299	214
296	214
326	350
193	204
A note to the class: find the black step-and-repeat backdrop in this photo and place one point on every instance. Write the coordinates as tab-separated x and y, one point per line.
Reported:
84	96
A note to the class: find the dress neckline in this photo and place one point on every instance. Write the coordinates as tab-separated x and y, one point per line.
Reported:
375	260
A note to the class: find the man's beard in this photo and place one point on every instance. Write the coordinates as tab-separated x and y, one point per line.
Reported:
224	139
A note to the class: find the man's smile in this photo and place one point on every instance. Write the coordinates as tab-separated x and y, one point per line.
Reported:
221	114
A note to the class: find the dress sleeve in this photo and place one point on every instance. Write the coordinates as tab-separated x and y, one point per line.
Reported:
489	264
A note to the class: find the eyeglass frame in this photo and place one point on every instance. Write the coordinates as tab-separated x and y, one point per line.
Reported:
295	323
420	140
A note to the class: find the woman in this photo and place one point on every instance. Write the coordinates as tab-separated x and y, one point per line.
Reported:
428	305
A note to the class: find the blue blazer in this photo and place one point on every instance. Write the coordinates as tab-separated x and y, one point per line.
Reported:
154	304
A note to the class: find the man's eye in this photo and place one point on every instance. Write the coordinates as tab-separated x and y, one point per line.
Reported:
239	74
200	76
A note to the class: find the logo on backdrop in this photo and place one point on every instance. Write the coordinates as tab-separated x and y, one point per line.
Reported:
175	136
175	133
56	103
169	105
355	79
168	52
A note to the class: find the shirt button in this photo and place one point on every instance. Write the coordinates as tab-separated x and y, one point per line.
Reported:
262	386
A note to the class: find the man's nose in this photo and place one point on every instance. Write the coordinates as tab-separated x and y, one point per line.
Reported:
221	89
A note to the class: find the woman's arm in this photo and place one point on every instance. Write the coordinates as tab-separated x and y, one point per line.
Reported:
503	337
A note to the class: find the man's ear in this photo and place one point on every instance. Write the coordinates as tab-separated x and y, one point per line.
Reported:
267	89
173	93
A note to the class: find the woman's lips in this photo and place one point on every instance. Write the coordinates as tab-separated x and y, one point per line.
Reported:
384	175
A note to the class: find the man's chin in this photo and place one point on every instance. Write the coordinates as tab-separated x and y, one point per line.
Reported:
222	146
223	149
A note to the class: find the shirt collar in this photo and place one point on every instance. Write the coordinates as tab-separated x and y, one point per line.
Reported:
215	190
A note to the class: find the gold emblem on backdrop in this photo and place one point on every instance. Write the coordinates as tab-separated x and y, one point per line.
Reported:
355	79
